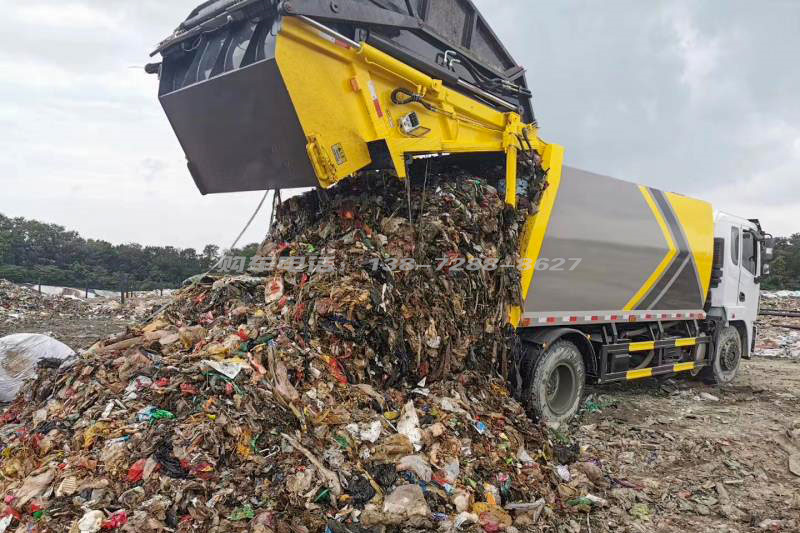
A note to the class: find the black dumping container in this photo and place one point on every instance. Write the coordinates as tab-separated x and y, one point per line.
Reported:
226	100
223	92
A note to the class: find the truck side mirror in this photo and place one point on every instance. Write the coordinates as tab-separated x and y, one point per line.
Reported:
765	269
769	250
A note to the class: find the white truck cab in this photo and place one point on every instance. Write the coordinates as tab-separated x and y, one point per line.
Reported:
741	256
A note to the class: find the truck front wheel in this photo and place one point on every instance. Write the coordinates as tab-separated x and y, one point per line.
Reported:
557	383
727	355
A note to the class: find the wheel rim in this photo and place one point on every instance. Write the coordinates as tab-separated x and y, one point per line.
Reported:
560	389
729	356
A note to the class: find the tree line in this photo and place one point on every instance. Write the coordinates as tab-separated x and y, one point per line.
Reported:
36	252
785	266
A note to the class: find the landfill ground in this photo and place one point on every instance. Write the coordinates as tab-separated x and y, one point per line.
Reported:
674	458
74	331
681	460
75	322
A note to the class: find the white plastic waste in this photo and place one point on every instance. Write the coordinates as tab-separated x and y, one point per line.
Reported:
408	425
19	355
91	522
416	464
406	500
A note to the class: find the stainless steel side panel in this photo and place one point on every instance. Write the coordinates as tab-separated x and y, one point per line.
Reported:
608	225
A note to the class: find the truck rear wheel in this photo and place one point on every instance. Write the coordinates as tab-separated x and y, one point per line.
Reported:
557	383
727	356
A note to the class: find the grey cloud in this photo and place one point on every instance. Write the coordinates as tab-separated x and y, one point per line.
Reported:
689	96
694	97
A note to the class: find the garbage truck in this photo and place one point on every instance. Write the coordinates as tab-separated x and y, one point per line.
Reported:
622	282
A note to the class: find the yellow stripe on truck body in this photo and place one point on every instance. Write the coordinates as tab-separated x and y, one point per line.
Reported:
536	226
641	346
637	374
696	219
670	255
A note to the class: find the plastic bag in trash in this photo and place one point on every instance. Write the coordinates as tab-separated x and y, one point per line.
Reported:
19	355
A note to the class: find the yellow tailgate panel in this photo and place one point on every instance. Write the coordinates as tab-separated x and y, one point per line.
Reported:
343	98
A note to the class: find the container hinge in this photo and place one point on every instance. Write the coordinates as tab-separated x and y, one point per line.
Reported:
323	166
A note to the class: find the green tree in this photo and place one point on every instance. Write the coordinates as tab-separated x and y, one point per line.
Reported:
32	251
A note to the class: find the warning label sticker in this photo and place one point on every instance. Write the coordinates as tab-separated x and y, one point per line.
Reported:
338	154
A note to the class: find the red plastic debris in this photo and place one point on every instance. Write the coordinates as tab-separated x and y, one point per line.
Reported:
299	310
12	512
36	506
204	471
162	383
8	416
118	519
136	471
36	440
338	371
188	389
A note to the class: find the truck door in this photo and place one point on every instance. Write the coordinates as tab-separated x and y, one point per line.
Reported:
731	278
749	278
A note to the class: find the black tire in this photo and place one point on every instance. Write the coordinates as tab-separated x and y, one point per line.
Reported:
557	383
727	356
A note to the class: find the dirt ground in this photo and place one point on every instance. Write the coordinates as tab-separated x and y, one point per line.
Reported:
678	459
77	332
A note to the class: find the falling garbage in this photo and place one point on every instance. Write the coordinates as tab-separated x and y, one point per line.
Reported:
363	396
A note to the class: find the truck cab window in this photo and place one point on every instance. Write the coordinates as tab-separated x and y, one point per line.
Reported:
749	251
735	245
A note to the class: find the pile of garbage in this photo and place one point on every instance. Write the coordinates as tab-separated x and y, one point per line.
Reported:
20	304
71	319
347	397
779	325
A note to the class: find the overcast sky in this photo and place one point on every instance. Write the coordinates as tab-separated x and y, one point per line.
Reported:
701	98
